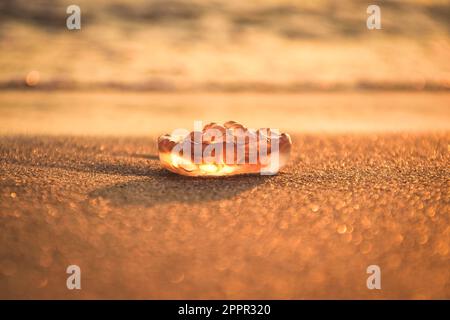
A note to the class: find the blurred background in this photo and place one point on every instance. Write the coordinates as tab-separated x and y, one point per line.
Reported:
154	58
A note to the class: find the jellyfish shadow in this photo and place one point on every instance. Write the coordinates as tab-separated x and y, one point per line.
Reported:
161	186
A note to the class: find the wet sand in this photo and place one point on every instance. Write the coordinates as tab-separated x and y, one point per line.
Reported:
346	201
143	114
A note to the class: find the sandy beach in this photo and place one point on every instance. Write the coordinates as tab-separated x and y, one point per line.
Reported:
344	202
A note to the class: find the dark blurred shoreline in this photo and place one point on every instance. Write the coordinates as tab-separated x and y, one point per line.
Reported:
231	87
